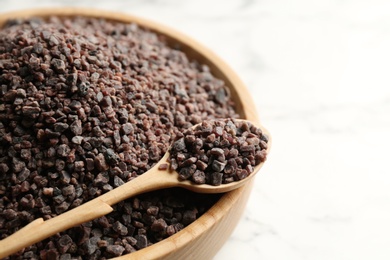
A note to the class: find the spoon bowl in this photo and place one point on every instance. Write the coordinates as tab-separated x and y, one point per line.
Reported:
153	179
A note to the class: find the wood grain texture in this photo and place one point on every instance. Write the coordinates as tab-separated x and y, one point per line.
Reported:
203	238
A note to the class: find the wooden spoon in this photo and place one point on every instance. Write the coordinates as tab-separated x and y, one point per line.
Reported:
153	179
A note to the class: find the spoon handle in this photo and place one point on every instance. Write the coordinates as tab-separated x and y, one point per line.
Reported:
39	229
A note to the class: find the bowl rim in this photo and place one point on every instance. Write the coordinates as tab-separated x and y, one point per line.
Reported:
218	68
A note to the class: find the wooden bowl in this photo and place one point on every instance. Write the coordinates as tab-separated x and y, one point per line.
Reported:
204	237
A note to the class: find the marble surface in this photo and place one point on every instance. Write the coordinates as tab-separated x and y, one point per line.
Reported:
319	73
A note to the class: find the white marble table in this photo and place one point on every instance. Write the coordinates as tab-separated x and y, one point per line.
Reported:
319	72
